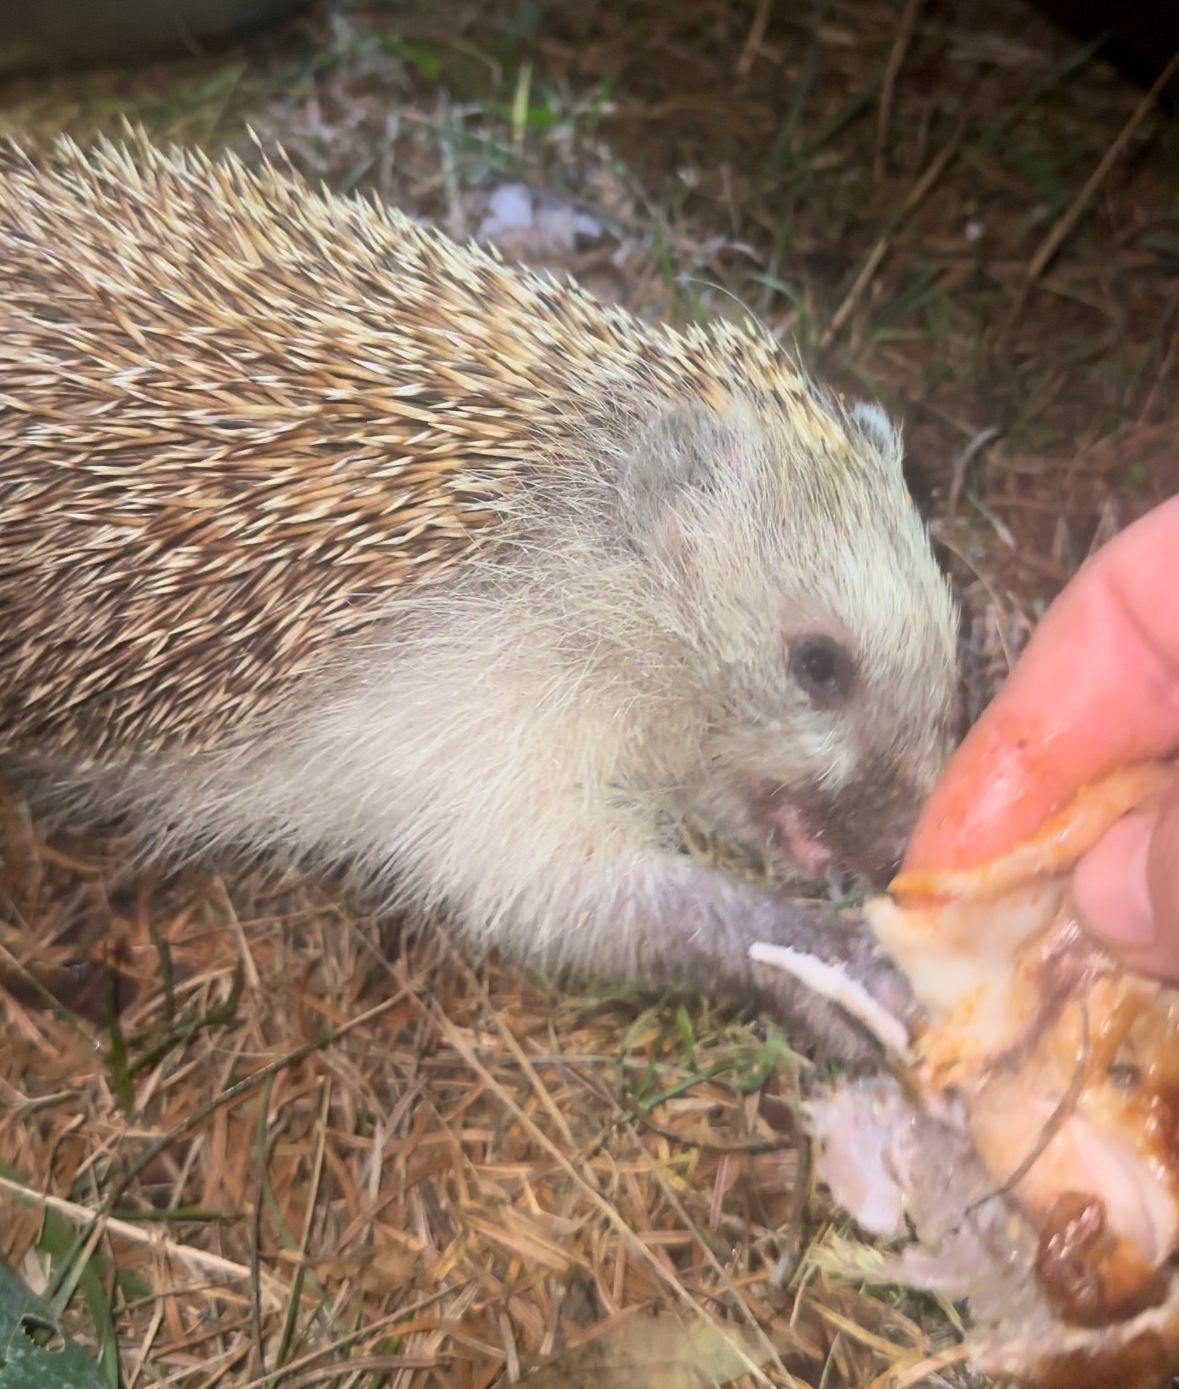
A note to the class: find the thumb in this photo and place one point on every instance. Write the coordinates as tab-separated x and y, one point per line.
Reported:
1126	889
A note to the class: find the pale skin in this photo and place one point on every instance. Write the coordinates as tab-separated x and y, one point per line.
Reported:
1096	688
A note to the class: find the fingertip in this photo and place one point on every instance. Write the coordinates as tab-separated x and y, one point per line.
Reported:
999	787
1095	690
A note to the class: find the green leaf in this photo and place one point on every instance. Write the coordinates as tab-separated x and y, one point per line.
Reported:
33	1352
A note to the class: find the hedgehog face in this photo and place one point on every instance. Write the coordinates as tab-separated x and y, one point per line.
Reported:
833	780
812	626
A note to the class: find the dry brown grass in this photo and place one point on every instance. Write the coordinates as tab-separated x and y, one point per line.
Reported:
375	1158
270	1141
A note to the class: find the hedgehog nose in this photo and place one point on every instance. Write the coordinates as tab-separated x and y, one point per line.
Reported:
889	871
888	862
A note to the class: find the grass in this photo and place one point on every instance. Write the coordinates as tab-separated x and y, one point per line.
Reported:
252	1137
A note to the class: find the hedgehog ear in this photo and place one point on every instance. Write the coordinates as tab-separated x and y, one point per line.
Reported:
874	423
681	459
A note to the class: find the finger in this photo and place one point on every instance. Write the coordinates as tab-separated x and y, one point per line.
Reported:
1097	687
1126	890
1111	890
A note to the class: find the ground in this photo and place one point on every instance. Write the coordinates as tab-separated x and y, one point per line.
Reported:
324	1150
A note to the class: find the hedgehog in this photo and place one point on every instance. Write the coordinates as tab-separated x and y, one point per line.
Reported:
325	538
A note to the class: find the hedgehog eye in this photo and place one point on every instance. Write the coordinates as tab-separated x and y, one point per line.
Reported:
823	668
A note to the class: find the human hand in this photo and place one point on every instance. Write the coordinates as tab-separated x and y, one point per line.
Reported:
1096	689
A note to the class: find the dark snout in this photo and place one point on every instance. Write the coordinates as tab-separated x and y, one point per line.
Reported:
864	827
872	850
883	861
